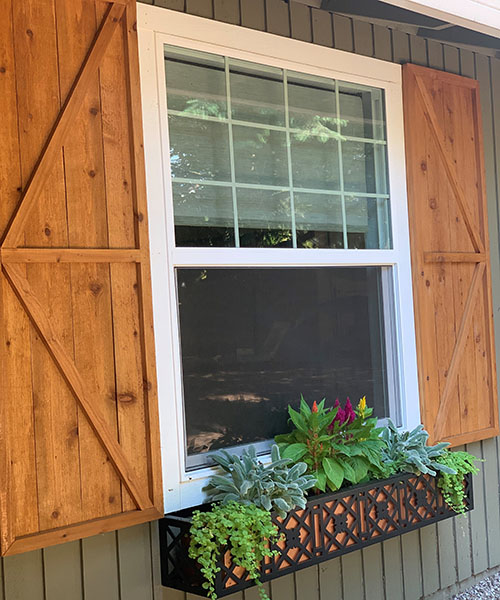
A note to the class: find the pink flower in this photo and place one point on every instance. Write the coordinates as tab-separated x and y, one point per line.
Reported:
339	417
344	415
349	414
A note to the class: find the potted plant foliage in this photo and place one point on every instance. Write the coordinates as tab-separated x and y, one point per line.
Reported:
335	483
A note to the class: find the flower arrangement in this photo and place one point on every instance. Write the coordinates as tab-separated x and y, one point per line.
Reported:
339	444
328	448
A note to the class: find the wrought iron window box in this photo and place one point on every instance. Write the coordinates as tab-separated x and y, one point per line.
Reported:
332	524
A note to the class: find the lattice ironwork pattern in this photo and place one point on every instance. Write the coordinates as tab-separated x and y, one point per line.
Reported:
331	525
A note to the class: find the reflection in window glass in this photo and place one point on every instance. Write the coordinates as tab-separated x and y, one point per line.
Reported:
199	150
260	156
318	220
367	222
254	339
264	218
236	123
315	161
206	204
256	93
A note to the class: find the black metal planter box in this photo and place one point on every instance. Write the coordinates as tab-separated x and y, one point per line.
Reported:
332	524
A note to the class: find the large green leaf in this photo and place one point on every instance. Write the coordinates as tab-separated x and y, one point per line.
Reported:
334	472
294	451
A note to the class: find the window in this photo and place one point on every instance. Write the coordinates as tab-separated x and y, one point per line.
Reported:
280	258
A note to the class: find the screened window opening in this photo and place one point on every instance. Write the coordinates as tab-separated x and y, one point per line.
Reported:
254	339
268	157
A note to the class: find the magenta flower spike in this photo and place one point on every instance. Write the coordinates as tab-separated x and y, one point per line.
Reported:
349	413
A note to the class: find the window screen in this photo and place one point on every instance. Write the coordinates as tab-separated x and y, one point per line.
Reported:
254	339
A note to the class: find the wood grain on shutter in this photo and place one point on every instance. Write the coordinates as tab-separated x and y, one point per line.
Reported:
450	255
79	435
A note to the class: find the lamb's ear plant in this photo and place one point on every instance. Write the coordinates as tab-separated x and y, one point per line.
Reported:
244	529
270	486
452	485
408	451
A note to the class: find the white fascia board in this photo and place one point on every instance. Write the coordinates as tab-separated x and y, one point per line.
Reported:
479	15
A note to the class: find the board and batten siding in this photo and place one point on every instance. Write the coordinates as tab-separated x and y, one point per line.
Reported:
434	561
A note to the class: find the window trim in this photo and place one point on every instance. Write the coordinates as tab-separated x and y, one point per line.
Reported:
158	26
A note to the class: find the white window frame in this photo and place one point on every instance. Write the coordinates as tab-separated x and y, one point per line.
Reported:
157	27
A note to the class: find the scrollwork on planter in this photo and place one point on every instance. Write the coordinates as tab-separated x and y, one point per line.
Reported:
331	524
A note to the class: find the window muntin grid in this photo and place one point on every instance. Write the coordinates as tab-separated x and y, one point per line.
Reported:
245	170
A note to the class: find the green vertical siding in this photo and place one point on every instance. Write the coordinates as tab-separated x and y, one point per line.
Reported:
430	562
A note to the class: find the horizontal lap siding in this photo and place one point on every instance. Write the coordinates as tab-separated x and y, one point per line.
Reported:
124	566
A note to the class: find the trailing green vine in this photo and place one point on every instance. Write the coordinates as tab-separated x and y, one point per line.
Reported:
452	485
245	530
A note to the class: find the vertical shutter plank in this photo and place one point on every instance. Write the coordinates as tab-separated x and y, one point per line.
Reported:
123	278
461	274
423	278
58	485
18	478
90	289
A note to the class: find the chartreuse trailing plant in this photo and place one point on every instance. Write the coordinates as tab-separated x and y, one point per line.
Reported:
271	486
244	529
339	445
408	451
452	484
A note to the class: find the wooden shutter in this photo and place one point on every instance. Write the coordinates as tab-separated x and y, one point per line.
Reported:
79	437
450	255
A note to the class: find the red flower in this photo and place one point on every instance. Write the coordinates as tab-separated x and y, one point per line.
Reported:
314	408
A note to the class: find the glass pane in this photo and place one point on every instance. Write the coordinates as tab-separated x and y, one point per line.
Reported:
362	111
256	93
199	149
196	83
318	220
260	156
367	223
203	215
264	218
254	339
312	104
315	161
361	168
